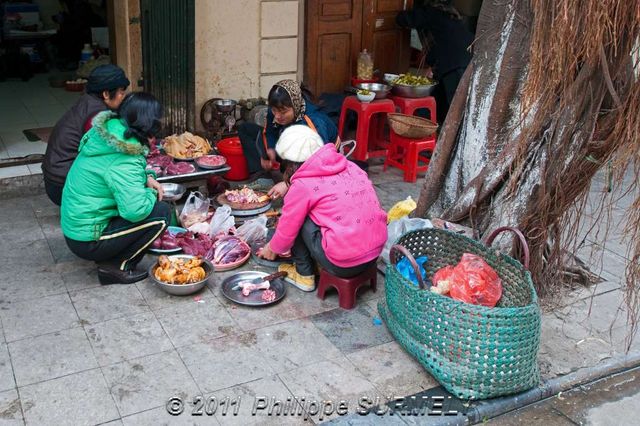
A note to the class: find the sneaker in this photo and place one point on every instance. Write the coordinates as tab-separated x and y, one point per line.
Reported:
303	282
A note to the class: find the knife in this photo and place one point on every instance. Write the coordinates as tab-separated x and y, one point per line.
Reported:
262	279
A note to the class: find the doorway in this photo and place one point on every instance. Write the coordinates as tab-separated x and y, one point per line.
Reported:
336	32
168	58
42	48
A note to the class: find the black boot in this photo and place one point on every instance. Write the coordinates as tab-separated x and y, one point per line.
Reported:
112	275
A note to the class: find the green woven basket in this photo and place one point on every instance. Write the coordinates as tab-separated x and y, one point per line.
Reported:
475	352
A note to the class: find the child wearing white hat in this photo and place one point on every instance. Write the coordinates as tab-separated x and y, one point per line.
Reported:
331	213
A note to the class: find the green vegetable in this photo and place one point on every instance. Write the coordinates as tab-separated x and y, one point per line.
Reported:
413	80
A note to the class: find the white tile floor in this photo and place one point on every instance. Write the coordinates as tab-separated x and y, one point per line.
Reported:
25	105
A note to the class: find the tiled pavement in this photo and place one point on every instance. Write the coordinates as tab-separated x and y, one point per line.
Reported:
27	105
74	352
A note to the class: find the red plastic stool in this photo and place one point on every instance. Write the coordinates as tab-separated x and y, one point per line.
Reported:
410	105
404	153
347	287
371	115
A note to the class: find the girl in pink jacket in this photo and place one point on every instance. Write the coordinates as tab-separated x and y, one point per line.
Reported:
331	213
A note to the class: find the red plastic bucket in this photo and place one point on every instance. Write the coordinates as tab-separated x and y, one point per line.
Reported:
231	149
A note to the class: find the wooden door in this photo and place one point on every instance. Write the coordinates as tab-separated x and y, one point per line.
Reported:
389	44
333	39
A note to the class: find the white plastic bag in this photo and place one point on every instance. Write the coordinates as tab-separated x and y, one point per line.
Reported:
221	222
195	209
253	230
398	228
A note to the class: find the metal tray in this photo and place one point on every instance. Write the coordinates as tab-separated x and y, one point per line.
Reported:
254	299
244	212
252	212
265	262
199	173
269	263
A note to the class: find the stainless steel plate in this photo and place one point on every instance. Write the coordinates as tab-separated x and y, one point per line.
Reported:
255	298
252	212
208	167
268	263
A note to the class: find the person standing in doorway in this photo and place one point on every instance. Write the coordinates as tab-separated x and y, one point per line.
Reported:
448	42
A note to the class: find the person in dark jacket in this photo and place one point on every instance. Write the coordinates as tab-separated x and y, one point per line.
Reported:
105	90
111	205
449	40
288	104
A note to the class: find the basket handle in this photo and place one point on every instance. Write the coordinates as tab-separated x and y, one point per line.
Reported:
519	234
393	253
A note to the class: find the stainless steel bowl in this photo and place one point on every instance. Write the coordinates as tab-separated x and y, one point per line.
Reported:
381	90
407	91
225	105
182	289
173	191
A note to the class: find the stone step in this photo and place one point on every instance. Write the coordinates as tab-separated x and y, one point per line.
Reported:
21	186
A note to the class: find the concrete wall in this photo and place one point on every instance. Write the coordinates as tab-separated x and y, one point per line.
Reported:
244	46
128	49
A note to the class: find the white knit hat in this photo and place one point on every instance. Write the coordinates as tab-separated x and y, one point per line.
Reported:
298	143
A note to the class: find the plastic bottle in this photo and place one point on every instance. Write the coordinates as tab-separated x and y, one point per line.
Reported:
87	53
365	66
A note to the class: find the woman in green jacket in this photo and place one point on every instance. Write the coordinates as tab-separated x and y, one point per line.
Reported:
111	209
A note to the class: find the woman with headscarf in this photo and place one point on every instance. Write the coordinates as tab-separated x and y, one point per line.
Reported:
289	103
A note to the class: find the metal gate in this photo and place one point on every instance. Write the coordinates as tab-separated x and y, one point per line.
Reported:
168	58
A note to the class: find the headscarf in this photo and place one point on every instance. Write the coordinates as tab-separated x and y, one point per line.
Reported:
292	88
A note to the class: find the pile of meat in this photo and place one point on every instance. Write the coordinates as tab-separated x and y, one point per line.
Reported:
167	241
268	295
186	146
221	250
164	165
228	249
245	196
211	160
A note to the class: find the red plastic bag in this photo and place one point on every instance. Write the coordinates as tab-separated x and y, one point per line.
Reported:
472	280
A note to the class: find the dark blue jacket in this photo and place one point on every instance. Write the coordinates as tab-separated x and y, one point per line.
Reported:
450	38
323	124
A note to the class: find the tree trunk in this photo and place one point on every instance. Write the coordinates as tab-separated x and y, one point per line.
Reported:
483	118
512	153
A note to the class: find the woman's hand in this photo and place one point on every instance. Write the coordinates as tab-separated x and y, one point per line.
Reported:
279	190
268	164
154	184
266	253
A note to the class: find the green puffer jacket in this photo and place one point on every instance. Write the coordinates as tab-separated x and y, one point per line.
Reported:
107	179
